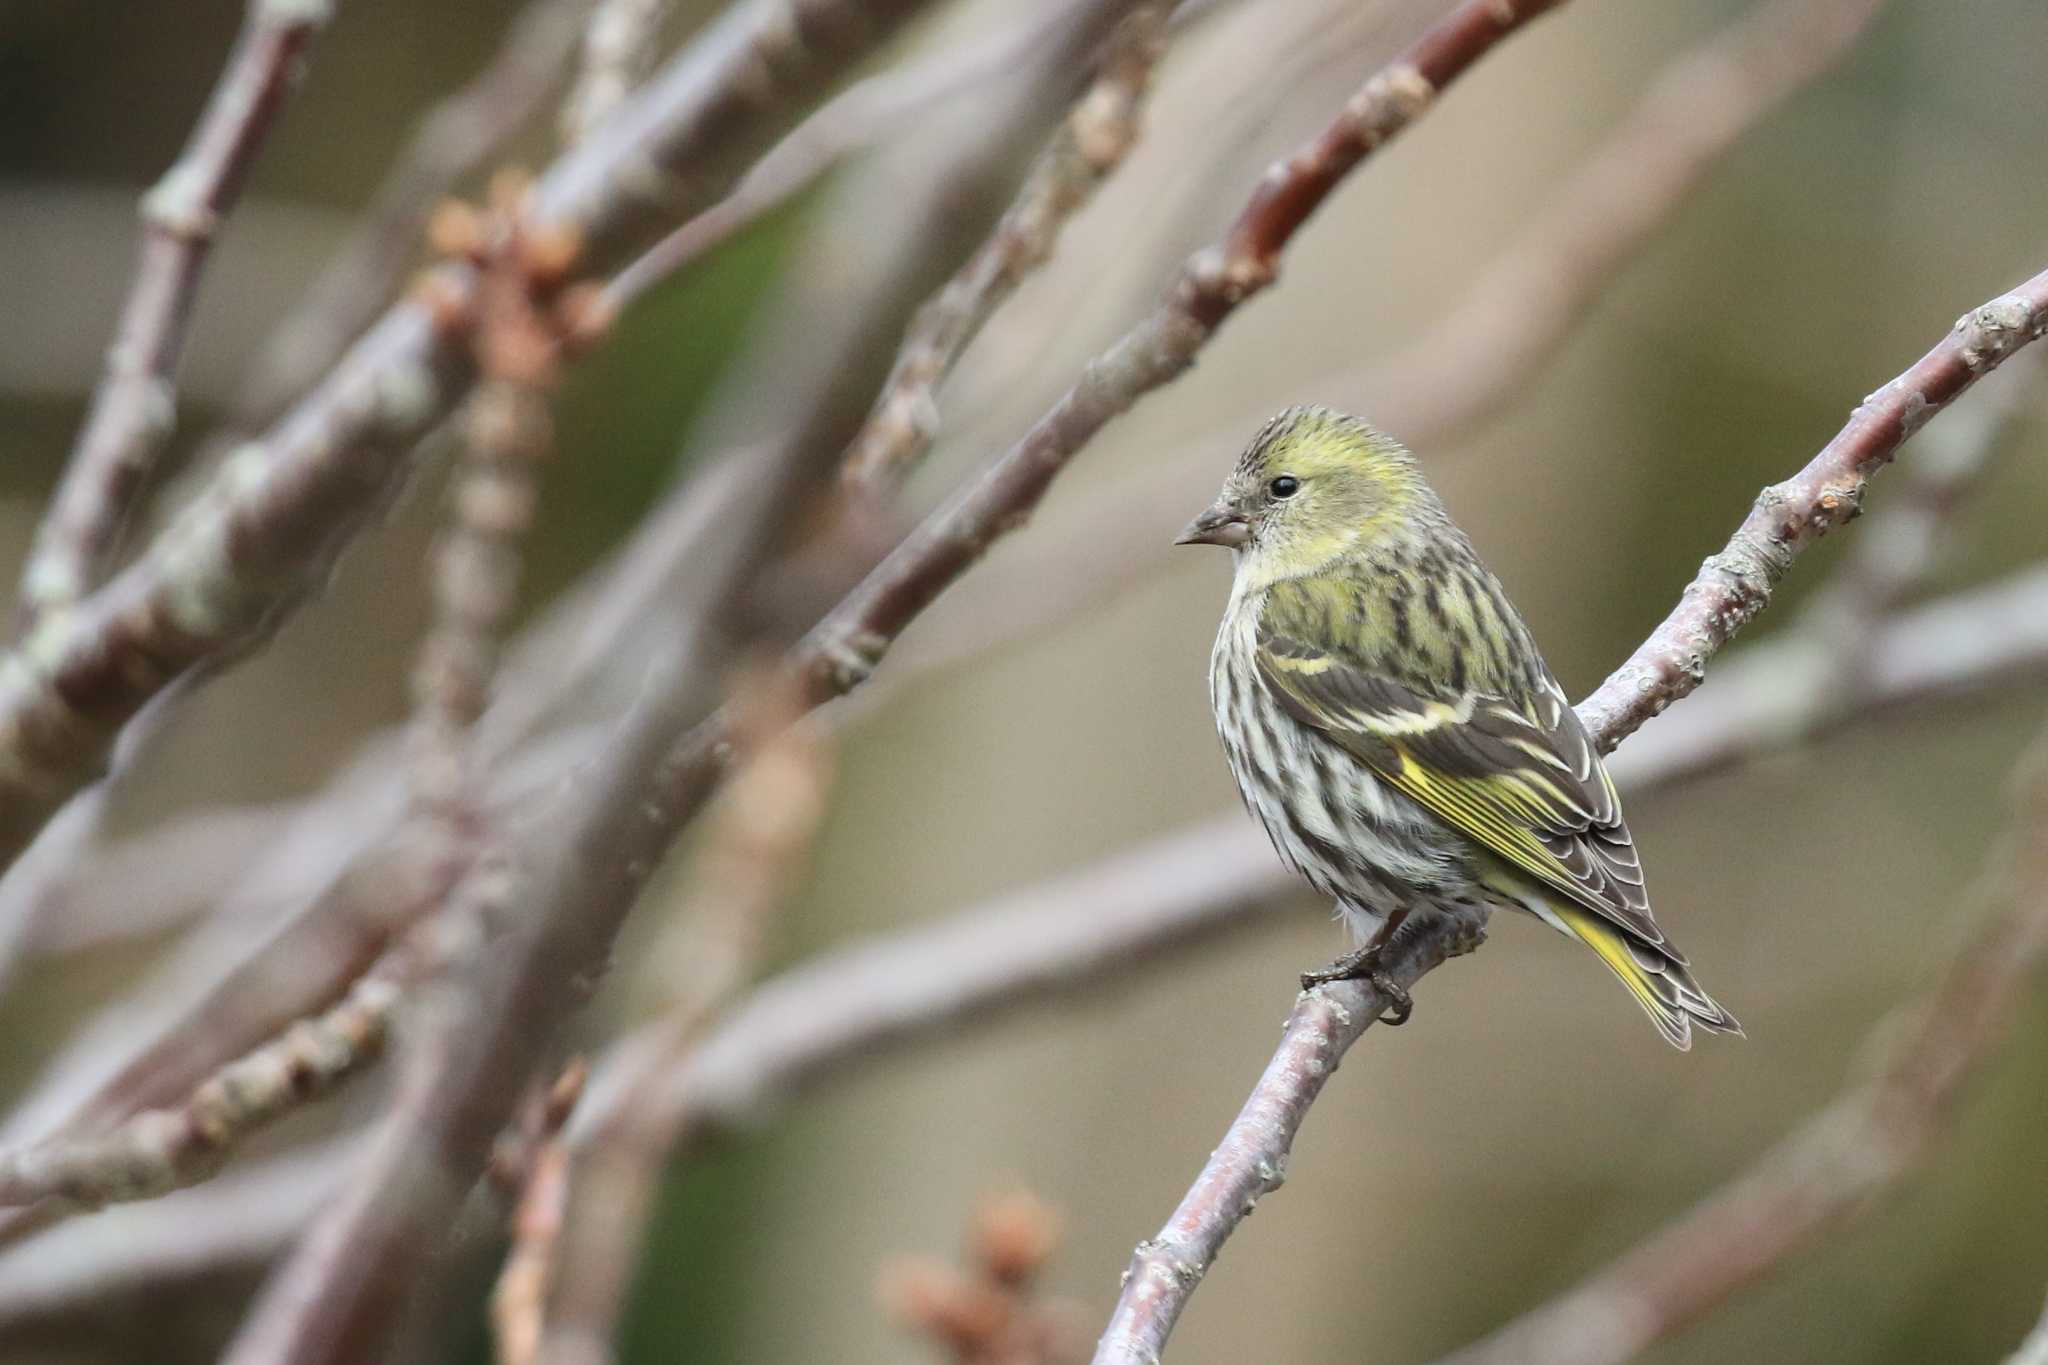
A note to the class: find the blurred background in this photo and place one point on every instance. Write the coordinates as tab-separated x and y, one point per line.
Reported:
1528	1125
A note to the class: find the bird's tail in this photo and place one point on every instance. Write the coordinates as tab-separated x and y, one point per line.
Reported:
1661	983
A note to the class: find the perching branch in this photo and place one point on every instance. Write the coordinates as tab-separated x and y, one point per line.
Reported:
136	405
1117	916
1863	1143
577	862
1735	584
1733	587
844	649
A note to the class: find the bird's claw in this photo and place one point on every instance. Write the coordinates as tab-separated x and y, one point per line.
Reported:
1400	1004
1366	967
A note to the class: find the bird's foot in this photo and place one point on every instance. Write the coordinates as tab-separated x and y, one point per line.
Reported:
1364	965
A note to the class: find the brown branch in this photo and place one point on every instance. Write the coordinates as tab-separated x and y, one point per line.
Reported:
164	1149
861	117
1093	141
1507	325
457	138
1896	555
136	404
1861	1144
238	1222
758	848
847	645
817	1020
1733	588
577	862
519	1298
255	541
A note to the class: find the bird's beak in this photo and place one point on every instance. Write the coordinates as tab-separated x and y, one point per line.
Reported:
1220	525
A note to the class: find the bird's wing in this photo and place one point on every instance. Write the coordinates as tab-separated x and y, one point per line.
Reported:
1519	777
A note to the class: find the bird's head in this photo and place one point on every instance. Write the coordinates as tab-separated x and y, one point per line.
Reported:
1314	487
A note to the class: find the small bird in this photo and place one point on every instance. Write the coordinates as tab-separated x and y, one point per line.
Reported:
1390	721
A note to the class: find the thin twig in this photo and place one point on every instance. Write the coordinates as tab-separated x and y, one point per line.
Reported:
1896	555
1732	589
456	138
1482	351
164	1149
1735	584
1861	1144
519	1299
1090	145
1113	917
758	848
863	116
249	547
136	405
239	1221
844	649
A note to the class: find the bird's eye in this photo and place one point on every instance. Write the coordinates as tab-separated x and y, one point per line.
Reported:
1286	486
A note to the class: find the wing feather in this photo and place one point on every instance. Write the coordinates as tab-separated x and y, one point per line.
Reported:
1520	778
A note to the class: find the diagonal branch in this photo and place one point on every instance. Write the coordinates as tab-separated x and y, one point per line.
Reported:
1482	351
1090	145
456	138
844	649
817	1020
1735	584
136	405
254	542
1732	588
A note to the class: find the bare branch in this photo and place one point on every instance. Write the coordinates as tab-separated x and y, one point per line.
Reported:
1894	557
519	1299
1735	584
861	117
1733	587
239	1221
457	138
816	1020
1090	145
136	405
1484	349
228	567
1859	1145
758	847
165	1149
